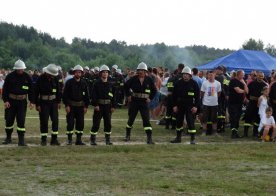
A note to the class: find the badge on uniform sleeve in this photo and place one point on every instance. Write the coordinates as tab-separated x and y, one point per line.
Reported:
83	93
110	94
54	90
147	90
25	87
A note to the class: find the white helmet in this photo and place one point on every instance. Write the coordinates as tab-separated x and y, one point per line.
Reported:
78	68
104	68
19	65
142	66
115	66
51	69
119	71
187	70
86	67
96	69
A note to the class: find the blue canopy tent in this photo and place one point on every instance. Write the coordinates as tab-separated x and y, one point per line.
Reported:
246	60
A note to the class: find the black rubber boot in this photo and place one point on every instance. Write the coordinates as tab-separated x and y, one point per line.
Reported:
149	137
8	139
178	137
54	140
209	130
235	134
245	131
168	121
173	124
79	141
107	139
222	130
219	125
127	138
43	141
21	140
93	140
69	140
192	141
255	131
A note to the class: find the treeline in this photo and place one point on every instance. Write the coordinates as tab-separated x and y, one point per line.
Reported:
38	49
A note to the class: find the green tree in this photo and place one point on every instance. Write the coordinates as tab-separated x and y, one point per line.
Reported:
270	49
66	60
252	44
6	58
21	48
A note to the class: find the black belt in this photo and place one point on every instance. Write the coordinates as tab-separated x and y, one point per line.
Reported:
17	97
47	97
104	101
140	95
76	103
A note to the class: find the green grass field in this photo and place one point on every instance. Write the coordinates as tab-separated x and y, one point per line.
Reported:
216	166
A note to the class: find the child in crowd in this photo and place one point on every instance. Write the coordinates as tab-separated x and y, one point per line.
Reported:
263	102
267	123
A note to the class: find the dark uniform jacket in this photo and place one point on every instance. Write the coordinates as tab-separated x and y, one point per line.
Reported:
89	82
18	84
60	82
76	91
272	94
133	87
186	93
255	90
221	78
118	81
47	86
234	97
171	83
103	91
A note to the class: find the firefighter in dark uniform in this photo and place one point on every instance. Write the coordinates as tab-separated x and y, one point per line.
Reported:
60	78
119	90
17	87
113	70
113	79
139	90
272	94
47	100
186	100
170	115
226	82
94	77
117	81
104	104
221	100
87	77
251	114
76	100
237	91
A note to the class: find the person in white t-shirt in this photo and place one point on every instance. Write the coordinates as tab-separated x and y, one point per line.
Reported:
267	123
210	91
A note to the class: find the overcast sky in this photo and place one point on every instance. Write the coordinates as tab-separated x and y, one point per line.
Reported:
214	23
